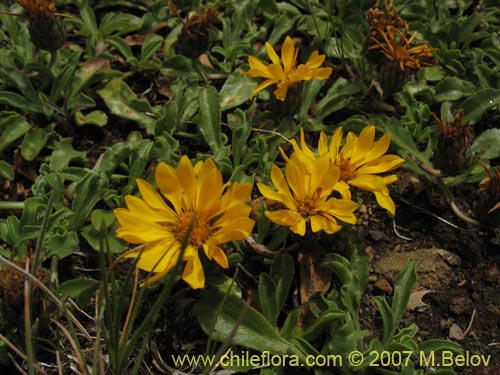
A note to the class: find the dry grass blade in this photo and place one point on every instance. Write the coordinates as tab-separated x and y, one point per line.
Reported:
19	353
80	360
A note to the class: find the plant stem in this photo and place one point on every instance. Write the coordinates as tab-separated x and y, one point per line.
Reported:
7	205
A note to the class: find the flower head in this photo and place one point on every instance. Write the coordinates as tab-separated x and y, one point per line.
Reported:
359	162
46	30
380	20
283	72
396	46
304	192
197	204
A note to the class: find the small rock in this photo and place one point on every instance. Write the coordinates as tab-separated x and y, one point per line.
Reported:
433	272
491	275
456	332
461	306
383	285
376	235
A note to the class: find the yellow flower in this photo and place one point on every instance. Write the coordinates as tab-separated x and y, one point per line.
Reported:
359	161
396	46
197	201
283	72
305	191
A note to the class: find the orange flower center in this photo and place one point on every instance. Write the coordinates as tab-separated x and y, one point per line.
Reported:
306	206
199	226
347	171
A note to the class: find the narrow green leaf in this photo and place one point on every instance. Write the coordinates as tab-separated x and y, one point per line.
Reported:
123	102
475	106
253	329
488	144
6	170
34	141
210	118
453	88
14	127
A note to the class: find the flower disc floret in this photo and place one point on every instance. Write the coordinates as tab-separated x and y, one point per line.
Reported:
195	208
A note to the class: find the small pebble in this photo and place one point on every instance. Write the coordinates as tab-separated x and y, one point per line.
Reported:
491	275
383	285
456	332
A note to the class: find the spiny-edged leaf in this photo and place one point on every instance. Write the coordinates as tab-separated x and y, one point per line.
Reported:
210	118
219	315
13	126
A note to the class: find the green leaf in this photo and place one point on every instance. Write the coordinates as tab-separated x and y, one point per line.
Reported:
88	192
210	118
475	106
63	154
62	244
98	118
340	94
391	316
80	290
123	102
236	90
219	315
453	88
14	126
6	170
487	145
34	141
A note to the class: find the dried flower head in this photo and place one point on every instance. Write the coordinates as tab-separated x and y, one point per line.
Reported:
453	153
397	47
194	39
380	20
12	283
197	205
283	72
46	30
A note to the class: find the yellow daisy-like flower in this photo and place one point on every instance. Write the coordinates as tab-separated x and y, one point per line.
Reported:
396	46
359	161
305	191
283	72
199	204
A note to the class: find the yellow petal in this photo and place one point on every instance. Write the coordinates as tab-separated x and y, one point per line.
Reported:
152	198
288	55
281	91
187	178
272	54
321	73
193	273
329	225
168	183
385	201
315	60
335	144
262	86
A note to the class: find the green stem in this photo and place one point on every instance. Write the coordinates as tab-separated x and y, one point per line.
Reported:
7	205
